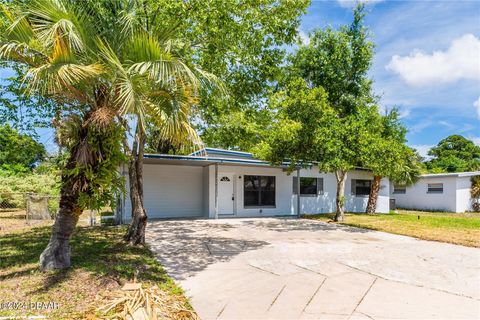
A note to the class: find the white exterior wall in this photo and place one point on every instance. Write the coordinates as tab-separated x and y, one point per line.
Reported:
464	201
286	201
359	203
172	191
416	196
283	191
324	203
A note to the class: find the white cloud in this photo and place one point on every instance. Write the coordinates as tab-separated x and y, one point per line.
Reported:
460	61
423	149
423	124
353	3
404	113
476	104
446	124
475	140
304	37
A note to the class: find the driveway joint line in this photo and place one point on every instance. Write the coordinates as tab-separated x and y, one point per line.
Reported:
276	297
314	294
221	311
307	269
364	295
366	315
264	270
411	284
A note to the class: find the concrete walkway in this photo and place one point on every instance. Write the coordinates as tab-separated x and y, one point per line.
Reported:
299	269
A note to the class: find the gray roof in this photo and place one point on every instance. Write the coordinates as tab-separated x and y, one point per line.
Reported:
452	174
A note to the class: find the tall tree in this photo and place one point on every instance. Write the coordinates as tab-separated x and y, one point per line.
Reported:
383	150
454	154
339	61
19	152
104	66
242	43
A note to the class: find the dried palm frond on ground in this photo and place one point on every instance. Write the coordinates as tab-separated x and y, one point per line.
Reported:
151	303
102	265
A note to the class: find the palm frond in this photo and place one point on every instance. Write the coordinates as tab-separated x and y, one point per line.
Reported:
19	29
21	52
53	78
54	19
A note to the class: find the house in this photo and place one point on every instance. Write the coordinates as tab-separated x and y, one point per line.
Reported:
220	183
437	192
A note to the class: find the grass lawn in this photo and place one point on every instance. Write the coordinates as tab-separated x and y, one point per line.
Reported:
101	264
457	228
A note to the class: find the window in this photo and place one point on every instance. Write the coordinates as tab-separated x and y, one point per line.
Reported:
361	187
308	186
225	179
258	191
435	188
399	189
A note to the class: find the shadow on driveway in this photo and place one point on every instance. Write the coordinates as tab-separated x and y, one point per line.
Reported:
186	247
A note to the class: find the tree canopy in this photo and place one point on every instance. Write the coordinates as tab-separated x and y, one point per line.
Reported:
454	154
243	45
325	103
19	152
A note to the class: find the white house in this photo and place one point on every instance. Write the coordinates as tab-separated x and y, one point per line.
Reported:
439	192
222	183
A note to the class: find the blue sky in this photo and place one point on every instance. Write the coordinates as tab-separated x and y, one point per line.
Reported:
427	62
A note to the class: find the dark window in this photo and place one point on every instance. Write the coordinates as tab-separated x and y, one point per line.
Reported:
435	188
361	187
308	186
399	189
258	191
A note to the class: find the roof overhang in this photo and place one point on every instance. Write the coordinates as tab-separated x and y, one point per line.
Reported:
188	160
452	174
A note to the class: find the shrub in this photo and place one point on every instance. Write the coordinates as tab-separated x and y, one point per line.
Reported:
14	185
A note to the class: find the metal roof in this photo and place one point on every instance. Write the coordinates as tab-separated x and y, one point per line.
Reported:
205	160
206	151
452	174
193	160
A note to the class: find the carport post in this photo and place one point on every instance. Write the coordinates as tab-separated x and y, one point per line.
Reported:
298	191
216	190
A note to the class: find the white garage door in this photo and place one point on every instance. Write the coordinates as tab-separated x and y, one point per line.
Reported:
173	191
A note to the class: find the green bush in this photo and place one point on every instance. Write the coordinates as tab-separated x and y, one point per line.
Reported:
13	186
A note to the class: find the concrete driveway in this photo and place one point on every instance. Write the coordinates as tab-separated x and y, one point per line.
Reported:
300	269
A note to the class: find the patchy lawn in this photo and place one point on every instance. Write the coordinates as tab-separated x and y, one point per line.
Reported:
457	228
101	264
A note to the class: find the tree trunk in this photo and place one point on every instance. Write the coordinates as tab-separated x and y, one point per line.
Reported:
340	200
136	231
57	253
373	196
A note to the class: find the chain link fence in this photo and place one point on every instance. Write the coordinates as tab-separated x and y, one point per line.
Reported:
33	206
19	209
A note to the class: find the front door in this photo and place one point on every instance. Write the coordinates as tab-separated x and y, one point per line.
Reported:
226	194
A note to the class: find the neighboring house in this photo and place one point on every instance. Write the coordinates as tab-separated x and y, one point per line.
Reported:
439	192
222	183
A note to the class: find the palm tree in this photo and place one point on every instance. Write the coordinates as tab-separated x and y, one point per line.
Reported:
105	68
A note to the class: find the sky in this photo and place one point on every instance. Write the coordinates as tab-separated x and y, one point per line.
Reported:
427	62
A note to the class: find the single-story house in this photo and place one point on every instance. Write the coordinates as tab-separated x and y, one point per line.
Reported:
438	192
216	183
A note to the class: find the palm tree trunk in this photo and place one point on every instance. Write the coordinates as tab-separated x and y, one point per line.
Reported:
340	200
136	231
373	196
57	253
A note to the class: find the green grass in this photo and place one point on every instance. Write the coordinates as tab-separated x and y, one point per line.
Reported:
457	228
100	262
